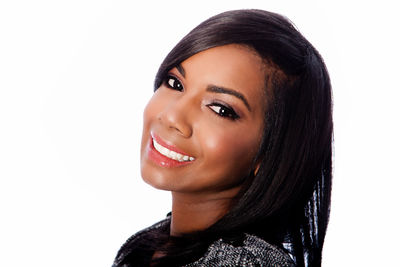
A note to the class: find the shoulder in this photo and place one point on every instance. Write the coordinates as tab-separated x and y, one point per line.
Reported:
253	252
131	243
159	225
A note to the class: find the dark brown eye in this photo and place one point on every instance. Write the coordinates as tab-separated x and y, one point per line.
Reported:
173	83
223	111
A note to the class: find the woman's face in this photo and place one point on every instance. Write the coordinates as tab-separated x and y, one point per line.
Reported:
203	126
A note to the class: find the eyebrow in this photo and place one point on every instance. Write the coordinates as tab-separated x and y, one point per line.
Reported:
222	90
181	70
219	89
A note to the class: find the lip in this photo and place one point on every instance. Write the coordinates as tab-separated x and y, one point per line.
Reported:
162	160
165	144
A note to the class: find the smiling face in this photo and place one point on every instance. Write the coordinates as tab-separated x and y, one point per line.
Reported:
203	126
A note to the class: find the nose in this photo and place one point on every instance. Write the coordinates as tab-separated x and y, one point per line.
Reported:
176	116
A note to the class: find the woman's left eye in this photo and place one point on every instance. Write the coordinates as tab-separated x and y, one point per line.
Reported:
223	111
173	83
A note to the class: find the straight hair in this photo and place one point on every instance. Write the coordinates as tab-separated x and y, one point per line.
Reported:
287	201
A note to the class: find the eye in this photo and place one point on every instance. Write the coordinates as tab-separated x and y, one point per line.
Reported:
223	111
173	83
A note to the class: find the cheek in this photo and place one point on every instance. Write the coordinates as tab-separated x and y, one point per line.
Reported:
231	148
152	109
149	115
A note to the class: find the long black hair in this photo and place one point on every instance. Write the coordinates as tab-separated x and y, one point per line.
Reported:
287	201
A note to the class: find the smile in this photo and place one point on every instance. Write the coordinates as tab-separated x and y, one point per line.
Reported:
171	154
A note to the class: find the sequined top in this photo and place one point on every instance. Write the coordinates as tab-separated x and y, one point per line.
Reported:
254	251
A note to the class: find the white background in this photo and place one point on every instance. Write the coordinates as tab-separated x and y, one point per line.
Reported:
75	76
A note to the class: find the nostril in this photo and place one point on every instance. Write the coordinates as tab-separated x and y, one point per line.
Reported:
177	121
182	127
184	130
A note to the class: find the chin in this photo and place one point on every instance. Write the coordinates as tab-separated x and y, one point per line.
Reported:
156	181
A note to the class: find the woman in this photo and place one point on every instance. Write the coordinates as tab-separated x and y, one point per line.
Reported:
239	129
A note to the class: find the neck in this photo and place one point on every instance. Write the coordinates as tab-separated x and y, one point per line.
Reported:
195	212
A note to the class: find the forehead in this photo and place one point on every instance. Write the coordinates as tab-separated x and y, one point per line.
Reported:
232	66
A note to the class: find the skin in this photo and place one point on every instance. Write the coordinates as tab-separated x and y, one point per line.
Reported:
186	114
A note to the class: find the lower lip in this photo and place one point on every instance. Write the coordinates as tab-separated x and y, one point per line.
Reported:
162	160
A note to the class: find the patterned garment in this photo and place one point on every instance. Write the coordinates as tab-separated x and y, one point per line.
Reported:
253	252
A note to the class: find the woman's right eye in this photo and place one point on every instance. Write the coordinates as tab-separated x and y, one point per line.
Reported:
173	83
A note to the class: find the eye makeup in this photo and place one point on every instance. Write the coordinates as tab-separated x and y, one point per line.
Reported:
173	82
220	108
223	110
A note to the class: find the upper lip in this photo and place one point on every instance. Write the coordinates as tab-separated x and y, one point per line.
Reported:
168	145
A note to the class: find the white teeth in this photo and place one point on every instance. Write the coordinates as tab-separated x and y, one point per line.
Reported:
171	154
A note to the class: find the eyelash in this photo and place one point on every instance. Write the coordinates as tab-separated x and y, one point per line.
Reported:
224	111
177	83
